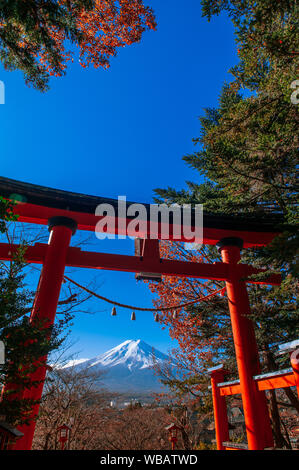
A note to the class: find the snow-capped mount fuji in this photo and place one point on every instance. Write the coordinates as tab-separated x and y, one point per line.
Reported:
134	354
127	367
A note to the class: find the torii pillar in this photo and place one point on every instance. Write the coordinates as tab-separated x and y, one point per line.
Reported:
219	407
257	420
44	308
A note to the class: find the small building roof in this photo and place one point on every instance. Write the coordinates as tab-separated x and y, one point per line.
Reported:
172	426
288	347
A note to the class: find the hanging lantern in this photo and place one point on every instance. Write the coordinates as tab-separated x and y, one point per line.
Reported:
133	316
113	313
157	317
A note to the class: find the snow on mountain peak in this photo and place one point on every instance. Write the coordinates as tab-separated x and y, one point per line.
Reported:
132	353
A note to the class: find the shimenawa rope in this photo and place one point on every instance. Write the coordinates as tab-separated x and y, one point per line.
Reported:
143	309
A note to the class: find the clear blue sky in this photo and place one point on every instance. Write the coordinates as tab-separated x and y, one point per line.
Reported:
121	131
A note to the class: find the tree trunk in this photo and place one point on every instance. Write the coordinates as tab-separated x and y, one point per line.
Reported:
292	397
186	441
279	439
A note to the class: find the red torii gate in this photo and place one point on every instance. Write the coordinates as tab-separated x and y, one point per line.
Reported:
220	389
64	212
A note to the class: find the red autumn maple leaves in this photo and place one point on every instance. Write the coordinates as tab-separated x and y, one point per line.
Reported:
111	24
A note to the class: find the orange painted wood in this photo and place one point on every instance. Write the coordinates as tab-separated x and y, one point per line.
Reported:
282	381
230	390
90	259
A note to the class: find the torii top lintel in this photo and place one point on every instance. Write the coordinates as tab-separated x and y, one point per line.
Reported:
38	204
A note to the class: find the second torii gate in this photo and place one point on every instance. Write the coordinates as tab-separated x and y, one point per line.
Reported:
64	212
